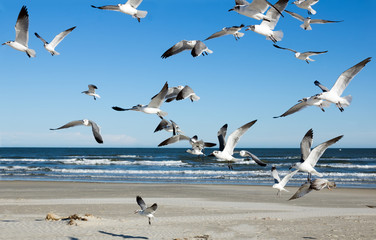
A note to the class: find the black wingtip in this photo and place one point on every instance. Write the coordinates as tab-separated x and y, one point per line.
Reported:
116	108
93	6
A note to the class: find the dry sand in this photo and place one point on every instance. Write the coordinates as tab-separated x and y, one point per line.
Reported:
191	212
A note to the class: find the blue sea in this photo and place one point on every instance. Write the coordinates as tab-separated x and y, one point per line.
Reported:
347	167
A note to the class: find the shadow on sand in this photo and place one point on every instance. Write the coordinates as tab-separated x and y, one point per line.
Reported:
123	236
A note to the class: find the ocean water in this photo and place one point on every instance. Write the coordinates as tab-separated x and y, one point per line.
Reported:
347	167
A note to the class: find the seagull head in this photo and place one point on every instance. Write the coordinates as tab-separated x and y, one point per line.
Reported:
86	122
6	43
234	8
251	27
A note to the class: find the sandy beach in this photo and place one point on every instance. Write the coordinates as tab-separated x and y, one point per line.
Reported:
184	212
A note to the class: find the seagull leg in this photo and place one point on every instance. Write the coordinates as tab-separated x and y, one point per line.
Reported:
139	19
273	39
309	177
149	221
307	61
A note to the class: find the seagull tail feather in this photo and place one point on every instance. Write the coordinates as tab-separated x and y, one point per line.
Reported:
347	101
308	28
31	53
162	114
278	35
141	14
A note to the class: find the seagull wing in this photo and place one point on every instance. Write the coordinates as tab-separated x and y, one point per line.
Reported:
295	15
275	45
303	190
141	202
321	21
198	49
173	139
209	144
92	88
37	35
70	124
305	145
134	3
96	132
345	78
274	14
185	93
261	6
58	38
241	2
108	7
221	33
221	137
287	178
162	125
151	209
234	137
253	157
318	151
22	27
179	47
157	101
311	53
297	107
322	87
275	175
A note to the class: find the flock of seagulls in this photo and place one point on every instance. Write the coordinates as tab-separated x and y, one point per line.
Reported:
262	10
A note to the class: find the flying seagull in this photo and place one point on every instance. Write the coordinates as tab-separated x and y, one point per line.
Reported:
247	154
308	21
195	46
145	211
307	165
232	140
130	8
167	126
198	146
334	95
255	9
234	30
267	26
306	4
187	92
302	56
280	184
94	127
316	184
153	107
57	39
22	34
91	91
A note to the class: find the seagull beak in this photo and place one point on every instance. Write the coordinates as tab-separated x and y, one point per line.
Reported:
231	10
3	43
290	168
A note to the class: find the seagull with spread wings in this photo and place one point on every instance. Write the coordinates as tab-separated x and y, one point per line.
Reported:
50	47
280	184
302	55
22	34
130	8
315	184
234	30
255	9
94	127
196	47
91	91
145	211
308	21
306	4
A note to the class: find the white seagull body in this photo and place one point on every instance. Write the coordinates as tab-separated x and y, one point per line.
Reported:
308	21
146	211
334	95
280	184
91	91
305	56
234	30
195	46
130	8
22	34
50	47
94	127
254	10
306	4
153	107
267	26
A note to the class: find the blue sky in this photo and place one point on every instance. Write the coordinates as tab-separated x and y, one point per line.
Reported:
241	81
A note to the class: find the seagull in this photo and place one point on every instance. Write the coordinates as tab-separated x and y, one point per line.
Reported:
91	91
145	211
247	154
22	34
130	8
57	39
302	56
267	26
316	184
234	30
172	93
232	140
334	95
278	184
308	164
94	127
197	47
167	126
255	9
306	4
308	21
198	146
153	107
187	92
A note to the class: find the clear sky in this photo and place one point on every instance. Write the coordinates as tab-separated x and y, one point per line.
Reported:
241	81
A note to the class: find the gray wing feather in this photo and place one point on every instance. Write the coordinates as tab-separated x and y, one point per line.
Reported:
275	175
295	15
254	158
318	151
157	101
96	132
218	34
234	137
141	203
134	3
58	38
108	7
274	14
22	27
173	139
297	107
221	137
275	45
198	49
241	2
70	124
177	48
305	145
303	190
37	35
152	208
322	87
184	93
321	21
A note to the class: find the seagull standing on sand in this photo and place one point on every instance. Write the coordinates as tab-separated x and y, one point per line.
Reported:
50	47
278	184
91	91
232	140
334	95
22	34
153	107
94	127
145	211
196	46
310	158
306	4
267	26
308	21
255	9
234	30
316	184
302	56
130	8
